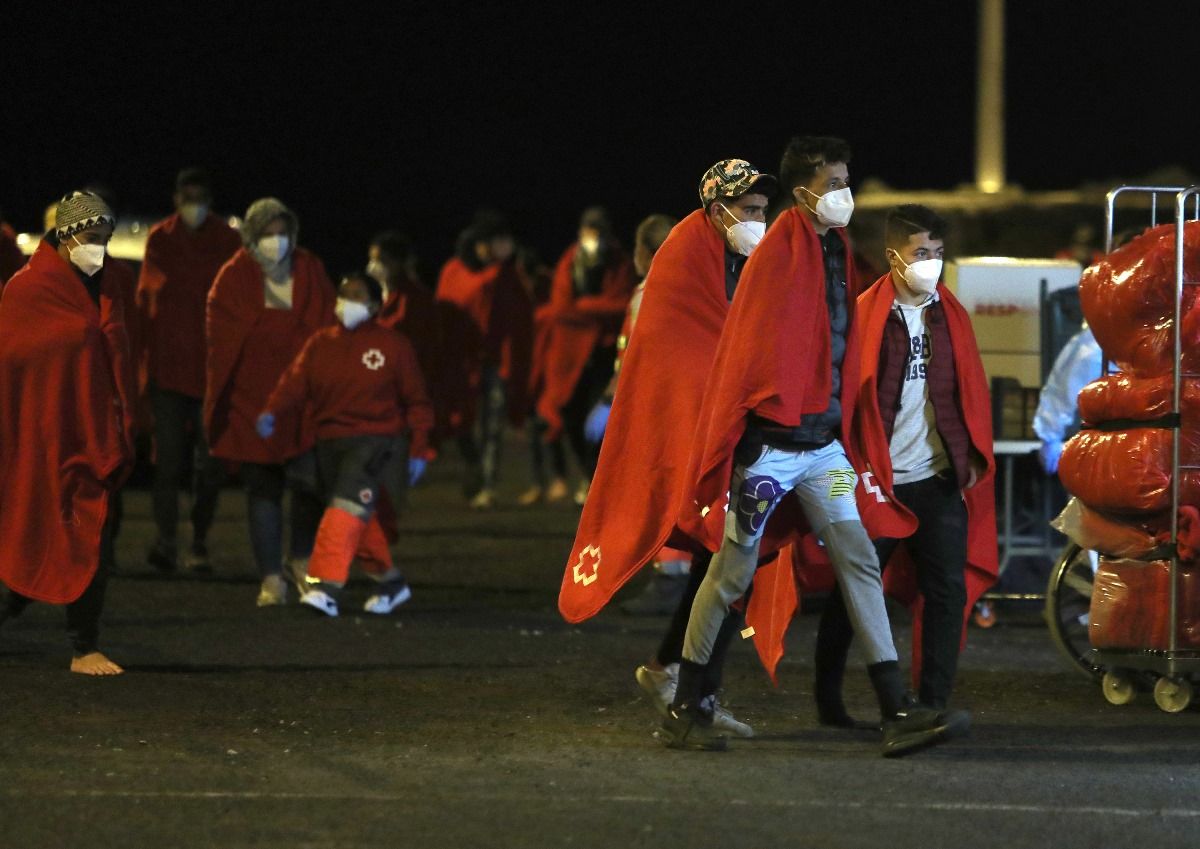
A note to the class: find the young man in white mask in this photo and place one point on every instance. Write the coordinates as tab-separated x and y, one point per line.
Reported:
184	252
771	427
361	385
633	508
920	425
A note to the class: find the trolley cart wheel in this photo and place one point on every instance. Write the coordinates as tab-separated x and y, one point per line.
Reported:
985	614
1068	600
1118	687
1172	694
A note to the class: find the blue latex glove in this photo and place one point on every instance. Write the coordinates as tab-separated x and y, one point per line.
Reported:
265	425
1049	454
416	468
597	421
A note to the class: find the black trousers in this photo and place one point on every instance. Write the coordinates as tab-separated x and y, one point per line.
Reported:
938	549
83	614
178	431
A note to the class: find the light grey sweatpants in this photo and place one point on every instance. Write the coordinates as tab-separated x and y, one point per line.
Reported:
824	482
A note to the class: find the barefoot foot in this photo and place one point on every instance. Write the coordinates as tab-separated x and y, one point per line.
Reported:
94	663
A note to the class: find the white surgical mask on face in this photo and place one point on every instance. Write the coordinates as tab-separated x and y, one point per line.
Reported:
744	236
193	214
351	313
923	276
87	258
589	244
273	248
834	208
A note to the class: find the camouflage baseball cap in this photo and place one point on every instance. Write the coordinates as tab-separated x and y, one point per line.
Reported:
732	178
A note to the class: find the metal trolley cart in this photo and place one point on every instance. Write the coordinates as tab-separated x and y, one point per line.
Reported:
1068	596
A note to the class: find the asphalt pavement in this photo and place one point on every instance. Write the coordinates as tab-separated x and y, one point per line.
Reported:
476	717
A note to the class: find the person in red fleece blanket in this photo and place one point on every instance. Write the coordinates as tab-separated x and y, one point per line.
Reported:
920	428
66	424
184	252
362	385
767	448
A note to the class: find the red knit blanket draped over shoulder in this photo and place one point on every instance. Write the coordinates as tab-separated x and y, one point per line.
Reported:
640	480
487	320
577	324
240	330
774	360
867	447
66	396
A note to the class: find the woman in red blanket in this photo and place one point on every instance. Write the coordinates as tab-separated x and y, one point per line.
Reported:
265	304
488	314
362	385
590	292
66	423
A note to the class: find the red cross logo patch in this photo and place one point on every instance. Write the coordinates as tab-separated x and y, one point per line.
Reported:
374	359
589	561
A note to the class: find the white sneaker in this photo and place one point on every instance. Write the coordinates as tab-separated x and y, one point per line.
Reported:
272	592
385	601
659	685
485	499
320	600
581	493
723	720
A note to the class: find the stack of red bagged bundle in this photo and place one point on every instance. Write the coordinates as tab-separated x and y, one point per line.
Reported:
1119	467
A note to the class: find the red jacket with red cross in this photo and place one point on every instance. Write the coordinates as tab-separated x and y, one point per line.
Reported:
361	382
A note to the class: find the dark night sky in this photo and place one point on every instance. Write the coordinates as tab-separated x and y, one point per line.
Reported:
414	114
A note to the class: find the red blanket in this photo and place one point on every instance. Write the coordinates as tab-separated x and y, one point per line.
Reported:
250	346
639	483
867	447
487	316
774	360
177	273
576	326
65	380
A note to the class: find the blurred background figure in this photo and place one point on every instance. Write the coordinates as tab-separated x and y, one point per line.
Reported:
589	295
1057	417
487	322
184	252
11	258
264	305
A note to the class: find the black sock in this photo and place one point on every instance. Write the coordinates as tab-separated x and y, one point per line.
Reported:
691	682
889	687
715	668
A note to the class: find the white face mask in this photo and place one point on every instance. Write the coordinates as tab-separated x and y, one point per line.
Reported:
744	236
834	208
273	248
923	276
87	258
589	244
193	214
351	313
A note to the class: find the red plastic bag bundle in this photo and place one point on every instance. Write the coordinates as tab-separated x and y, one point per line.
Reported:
1123	396
1129	301
1131	605
1128	471
1124	537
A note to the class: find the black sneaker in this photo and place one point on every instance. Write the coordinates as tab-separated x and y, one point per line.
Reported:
163	558
920	727
691	727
